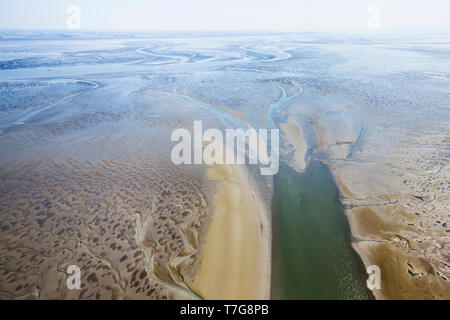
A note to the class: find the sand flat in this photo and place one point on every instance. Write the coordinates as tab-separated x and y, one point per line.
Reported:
405	275
235	259
411	257
292	133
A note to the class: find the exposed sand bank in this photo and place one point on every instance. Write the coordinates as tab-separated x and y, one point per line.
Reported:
235	260
410	257
404	274
293	138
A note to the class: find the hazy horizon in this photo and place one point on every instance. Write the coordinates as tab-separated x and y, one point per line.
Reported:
252	15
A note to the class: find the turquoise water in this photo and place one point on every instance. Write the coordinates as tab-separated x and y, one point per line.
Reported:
312	255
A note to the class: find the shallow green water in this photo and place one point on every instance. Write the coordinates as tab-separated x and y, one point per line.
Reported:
312	256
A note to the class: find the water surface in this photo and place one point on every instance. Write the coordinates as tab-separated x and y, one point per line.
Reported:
312	255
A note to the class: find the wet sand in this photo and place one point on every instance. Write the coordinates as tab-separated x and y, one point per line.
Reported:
296	145
235	260
406	275
412	257
131	227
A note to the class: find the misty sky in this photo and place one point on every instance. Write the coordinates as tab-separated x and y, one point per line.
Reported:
290	15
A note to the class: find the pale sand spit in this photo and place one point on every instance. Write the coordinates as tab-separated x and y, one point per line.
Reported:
235	260
293	137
